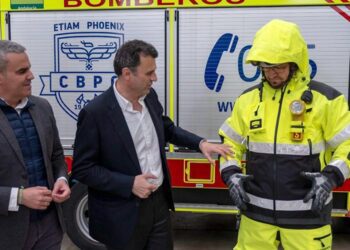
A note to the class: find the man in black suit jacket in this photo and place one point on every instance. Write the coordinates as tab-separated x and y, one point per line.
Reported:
119	154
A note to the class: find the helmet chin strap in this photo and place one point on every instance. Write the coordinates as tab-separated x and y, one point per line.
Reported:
292	69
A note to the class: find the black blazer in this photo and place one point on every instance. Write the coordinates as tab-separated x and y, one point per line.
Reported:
106	161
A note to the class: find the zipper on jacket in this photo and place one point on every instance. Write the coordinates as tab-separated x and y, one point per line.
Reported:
248	153
275	152
310	146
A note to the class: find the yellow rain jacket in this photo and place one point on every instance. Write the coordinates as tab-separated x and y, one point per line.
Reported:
277	145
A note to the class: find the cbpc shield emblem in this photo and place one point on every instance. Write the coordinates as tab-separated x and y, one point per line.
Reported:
82	68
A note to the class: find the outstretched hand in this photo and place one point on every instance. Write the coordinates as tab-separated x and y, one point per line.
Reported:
208	149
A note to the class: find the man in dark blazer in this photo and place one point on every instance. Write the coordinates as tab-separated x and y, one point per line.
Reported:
120	155
33	174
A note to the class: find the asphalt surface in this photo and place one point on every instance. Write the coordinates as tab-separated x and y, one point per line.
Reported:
215	232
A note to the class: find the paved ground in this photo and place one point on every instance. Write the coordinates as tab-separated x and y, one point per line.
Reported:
214	232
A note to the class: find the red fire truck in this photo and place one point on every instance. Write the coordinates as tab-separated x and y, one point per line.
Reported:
189	35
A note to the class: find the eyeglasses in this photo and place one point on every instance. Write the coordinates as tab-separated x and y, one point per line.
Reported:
276	68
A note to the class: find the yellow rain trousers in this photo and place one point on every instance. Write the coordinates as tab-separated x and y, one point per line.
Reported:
254	235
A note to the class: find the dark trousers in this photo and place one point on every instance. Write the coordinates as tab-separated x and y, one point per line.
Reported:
44	234
153	229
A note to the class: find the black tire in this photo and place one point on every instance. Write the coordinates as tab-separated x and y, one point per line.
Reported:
77	217
341	225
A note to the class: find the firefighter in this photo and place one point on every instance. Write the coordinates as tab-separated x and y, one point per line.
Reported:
295	135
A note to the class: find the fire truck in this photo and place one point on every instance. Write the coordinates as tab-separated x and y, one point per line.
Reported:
202	46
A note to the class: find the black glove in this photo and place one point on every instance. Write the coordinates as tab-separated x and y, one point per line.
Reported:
237	193
321	189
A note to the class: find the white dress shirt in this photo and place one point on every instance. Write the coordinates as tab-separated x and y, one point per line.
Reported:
144	137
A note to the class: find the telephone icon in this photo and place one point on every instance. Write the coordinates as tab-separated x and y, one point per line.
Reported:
226	43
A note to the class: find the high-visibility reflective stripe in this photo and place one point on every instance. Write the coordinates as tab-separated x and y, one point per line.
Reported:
231	133
286	149
340	137
342	166
282	205
227	164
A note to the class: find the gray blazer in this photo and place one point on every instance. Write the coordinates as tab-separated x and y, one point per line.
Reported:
14	225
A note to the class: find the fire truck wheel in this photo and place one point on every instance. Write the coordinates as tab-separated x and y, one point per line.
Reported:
77	217
341	225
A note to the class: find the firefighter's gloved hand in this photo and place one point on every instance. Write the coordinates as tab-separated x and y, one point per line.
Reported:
237	193
321	189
